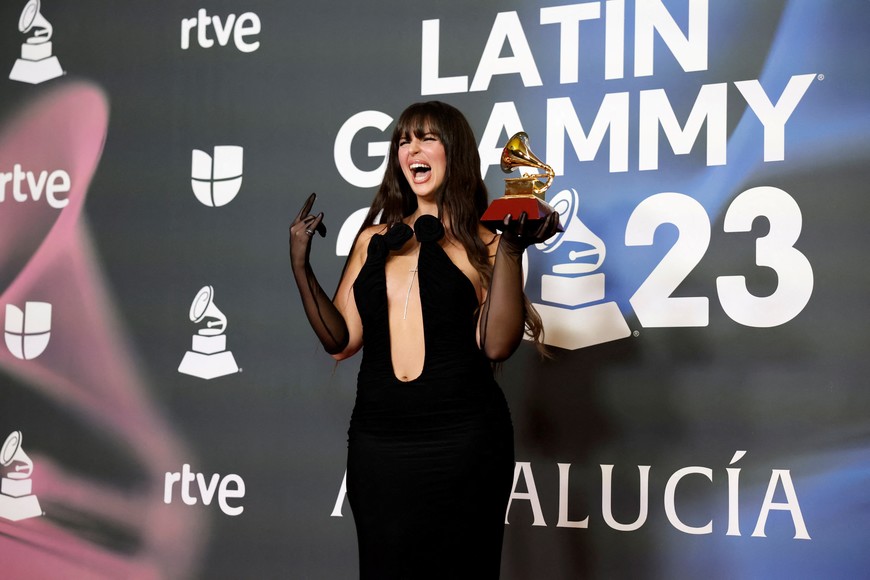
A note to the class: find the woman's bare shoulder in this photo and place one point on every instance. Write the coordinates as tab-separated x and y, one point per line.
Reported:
361	244
370	231
488	237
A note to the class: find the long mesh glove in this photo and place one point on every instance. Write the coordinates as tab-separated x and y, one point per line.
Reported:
502	318
324	317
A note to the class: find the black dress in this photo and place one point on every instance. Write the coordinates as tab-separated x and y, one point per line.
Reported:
430	461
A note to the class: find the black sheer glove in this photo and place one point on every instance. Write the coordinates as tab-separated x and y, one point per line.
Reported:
302	230
503	314
517	235
324	317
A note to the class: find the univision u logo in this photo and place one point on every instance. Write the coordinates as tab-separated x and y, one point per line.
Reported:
217	178
27	332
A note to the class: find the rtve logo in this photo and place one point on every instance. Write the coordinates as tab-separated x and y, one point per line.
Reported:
247	24
230	486
216	179
29	185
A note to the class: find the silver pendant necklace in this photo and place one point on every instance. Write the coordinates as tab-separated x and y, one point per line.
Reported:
413	272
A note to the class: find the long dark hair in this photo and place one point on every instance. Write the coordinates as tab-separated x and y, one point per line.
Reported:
462	196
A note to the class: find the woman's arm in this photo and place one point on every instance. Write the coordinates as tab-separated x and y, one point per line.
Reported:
344	300
326	320
502	317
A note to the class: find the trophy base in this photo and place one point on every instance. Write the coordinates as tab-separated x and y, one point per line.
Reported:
582	327
208	366
19	508
36	71
536	210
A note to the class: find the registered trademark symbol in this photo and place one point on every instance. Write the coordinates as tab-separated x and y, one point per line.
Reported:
241	369
636	333
821	77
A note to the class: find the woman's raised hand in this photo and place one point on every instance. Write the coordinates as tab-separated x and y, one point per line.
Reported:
327	322
517	235
302	230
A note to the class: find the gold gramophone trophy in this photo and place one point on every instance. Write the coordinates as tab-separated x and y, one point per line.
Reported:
521	194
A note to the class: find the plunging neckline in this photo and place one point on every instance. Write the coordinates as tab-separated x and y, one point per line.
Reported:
432	279
426	229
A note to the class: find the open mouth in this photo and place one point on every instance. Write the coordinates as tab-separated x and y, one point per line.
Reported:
420	171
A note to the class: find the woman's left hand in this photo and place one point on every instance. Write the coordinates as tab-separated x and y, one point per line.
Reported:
519	234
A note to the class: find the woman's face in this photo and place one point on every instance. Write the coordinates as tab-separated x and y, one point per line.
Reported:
424	163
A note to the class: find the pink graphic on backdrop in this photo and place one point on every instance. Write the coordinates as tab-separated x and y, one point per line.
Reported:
87	369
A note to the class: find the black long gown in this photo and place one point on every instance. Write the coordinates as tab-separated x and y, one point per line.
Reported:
430	461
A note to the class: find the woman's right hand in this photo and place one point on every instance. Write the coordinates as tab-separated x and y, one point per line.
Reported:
302	230
517	234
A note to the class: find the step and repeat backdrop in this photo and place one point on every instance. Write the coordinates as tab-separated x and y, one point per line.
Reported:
165	411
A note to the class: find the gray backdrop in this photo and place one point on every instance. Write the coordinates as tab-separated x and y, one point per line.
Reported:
105	414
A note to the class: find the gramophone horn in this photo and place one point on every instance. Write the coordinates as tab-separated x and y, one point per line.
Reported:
517	153
203	306
12	451
32	18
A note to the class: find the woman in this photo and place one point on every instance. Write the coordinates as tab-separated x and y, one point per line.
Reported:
435	298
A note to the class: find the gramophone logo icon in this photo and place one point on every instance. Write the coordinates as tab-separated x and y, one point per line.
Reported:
37	64
574	312
16	499
208	357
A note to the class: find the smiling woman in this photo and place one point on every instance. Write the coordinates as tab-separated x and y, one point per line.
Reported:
423	162
432	298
